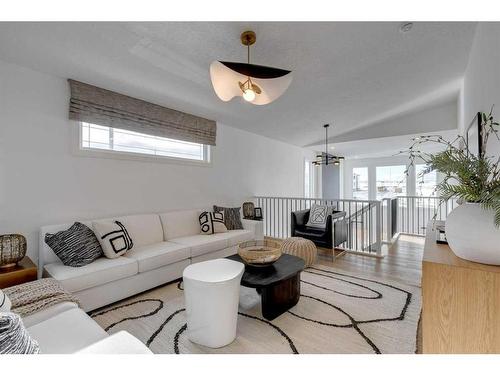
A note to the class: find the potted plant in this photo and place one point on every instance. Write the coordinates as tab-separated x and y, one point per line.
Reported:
473	227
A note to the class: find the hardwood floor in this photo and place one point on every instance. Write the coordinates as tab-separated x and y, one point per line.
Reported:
402	263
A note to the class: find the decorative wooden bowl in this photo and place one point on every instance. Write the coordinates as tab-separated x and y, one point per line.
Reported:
259	253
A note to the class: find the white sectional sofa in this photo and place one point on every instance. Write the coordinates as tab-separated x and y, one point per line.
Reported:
164	244
64	328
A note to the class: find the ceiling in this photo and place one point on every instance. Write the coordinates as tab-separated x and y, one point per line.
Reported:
350	74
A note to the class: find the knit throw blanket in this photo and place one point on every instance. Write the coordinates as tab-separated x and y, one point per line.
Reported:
28	298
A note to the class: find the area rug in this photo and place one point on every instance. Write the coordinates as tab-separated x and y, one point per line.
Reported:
338	312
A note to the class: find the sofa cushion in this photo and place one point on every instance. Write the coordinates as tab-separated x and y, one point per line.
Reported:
158	255
236	236
202	244
14	338
144	229
66	332
47	313
114	238
76	246
120	342
101	271
232	217
212	222
180	223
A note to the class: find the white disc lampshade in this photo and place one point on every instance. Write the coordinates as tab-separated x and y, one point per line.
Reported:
226	77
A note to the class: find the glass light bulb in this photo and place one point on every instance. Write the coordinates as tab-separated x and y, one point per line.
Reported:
249	95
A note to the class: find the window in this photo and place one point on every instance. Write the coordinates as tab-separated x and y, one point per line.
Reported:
391	181
309	179
360	183
96	137
425	184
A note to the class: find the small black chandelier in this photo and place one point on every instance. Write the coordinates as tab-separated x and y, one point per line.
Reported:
326	158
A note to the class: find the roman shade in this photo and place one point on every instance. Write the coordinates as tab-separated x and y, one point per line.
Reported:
107	108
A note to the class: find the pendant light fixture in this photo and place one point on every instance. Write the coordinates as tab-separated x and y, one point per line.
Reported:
325	158
257	84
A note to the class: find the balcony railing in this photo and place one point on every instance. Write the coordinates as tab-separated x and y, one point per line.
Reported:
363	219
369	222
414	212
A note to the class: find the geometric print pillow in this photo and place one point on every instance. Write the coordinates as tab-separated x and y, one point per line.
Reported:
318	216
113	237
212	222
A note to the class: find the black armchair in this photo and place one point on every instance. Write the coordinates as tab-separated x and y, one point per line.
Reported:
332	236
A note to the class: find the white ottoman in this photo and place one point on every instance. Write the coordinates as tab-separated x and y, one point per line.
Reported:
211	292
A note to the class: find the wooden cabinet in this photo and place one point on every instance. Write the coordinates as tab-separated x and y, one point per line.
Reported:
461	302
23	272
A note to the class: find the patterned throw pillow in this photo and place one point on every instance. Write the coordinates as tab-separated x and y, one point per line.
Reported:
212	222
76	246
318	216
113	237
4	302
232	217
14	338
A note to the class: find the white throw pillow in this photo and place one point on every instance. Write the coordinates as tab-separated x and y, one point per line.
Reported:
113	237
212	222
5	303
318	216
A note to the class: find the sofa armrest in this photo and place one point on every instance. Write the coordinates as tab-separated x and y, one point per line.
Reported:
336	215
255	226
121	342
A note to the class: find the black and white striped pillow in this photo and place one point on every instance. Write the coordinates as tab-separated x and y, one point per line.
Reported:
212	222
5	304
14	338
232	217
76	246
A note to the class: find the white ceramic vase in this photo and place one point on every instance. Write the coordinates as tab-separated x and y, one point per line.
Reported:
472	235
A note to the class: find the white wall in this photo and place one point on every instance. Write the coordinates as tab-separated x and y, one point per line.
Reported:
43	182
482	78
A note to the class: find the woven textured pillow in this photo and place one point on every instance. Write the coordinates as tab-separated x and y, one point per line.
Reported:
232	217
212	222
113	237
4	302
14	338
76	246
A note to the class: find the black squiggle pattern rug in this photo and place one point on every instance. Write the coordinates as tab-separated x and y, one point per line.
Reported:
338	312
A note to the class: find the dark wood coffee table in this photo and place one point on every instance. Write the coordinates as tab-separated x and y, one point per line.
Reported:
278	284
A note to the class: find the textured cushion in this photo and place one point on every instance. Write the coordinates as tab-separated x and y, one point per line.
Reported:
237	236
158	255
180	223
318	216
14	338
76	246
201	244
144	229
232	217
102	271
66	332
212	222
4	302
113	237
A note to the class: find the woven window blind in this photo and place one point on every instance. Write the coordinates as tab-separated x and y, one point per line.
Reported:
107	108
